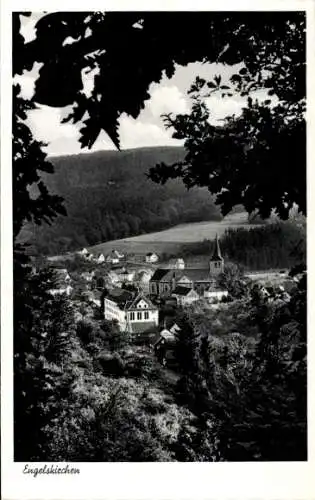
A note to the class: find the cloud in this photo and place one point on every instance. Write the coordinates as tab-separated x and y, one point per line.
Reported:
134	133
45	123
167	100
221	108
46	126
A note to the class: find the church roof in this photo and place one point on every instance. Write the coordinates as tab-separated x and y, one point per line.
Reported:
217	250
159	274
193	274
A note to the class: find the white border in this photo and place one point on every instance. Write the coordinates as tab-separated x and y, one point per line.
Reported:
250	481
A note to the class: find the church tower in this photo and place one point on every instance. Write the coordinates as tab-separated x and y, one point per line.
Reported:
216	261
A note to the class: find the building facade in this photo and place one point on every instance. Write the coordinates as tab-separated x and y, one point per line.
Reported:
134	312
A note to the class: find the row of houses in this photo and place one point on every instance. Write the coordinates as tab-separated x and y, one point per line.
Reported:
114	257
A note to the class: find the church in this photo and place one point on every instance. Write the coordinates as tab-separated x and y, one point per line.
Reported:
165	281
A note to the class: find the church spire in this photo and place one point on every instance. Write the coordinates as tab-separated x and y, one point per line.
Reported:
216	261
217	250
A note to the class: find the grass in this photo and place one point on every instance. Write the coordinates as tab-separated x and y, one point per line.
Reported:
171	240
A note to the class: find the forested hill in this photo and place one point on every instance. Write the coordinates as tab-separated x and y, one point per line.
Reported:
108	196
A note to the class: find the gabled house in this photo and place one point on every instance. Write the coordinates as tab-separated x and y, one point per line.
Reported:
114	257
177	263
87	275
83	252
214	293
89	257
151	258
133	311
125	275
61	284
100	258
165	345
185	296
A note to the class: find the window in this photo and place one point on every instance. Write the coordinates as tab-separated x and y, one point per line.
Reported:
139	315
146	315
131	316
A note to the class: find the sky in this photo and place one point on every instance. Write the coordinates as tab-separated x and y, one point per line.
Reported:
168	96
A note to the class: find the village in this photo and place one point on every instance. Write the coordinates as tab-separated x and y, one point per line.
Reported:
141	295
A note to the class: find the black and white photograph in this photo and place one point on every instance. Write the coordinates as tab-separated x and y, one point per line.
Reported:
159	169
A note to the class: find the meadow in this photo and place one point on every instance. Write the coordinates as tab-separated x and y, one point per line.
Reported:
171	240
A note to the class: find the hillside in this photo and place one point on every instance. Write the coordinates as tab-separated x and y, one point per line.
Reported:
108	196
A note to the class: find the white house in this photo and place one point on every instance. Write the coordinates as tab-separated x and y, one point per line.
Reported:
88	275
83	252
185	296
114	257
214	293
110	259
89	257
151	258
176	264
125	275
61	284
134	312
100	258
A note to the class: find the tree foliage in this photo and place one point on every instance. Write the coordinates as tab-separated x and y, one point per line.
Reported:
31	199
251	390
257	160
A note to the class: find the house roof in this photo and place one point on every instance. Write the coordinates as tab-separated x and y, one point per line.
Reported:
121	296
128	299
61	275
193	274
139	297
167	337
182	290
143	326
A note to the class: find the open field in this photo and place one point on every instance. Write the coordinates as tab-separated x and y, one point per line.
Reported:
170	240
